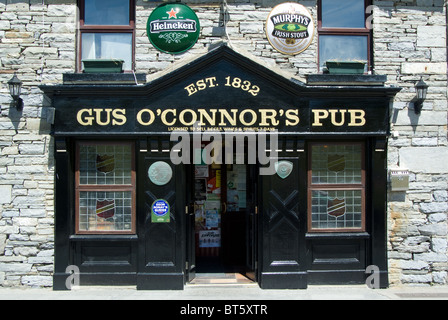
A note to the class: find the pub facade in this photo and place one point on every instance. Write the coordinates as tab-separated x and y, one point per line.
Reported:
225	142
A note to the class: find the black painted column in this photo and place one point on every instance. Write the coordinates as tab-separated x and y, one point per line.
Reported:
63	214
160	253
379	210
282	232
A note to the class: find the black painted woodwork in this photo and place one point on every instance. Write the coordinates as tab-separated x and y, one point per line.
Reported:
190	232
64	183
283	254
283	215
161	245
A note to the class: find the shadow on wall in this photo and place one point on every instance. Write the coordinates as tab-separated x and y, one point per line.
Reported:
34	120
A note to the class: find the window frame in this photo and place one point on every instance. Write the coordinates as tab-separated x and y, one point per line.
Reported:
106	29
108	188
321	31
337	187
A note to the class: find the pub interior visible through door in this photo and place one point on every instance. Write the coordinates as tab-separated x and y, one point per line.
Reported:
223	218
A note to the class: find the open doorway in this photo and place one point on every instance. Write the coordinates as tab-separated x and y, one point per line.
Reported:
225	228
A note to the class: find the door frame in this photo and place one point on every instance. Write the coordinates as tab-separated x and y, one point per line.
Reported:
251	259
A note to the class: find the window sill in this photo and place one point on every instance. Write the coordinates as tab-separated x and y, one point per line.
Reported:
346	79
103	78
339	235
103	237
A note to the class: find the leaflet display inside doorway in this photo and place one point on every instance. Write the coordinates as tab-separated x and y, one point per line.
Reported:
207	184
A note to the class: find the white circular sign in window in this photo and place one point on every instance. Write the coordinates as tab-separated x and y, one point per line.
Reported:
160	173
290	28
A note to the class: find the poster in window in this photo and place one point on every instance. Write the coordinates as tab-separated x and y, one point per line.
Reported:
211	219
210	239
200	189
201	171
214	183
160	211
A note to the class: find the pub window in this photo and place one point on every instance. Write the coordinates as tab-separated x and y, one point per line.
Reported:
343	31
336	187
105	188
107	30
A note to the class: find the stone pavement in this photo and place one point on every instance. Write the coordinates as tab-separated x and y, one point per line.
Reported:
229	292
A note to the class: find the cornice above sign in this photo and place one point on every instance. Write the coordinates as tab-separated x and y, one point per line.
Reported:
223	91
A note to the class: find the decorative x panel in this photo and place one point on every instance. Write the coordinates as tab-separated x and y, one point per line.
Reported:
170	197
283	208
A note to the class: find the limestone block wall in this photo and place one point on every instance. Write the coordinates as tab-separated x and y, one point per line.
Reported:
409	44
38	41
240	24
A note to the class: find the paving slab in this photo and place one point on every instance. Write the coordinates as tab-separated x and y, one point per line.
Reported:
229	292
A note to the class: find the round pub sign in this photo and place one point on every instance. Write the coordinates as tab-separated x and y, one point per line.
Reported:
290	28
173	28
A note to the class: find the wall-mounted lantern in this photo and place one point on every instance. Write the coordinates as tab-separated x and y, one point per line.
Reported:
15	86
422	89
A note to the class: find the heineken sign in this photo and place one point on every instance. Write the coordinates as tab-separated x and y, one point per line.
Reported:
173	28
290	28
158	26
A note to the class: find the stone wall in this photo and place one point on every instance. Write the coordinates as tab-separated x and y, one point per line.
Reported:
240	24
409	43
38	41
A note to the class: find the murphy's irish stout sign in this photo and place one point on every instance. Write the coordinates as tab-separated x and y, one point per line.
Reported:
173	28
290	28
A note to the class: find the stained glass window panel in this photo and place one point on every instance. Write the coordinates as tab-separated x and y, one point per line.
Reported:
336	164
105	165
336	209
105	211
336	187
105	186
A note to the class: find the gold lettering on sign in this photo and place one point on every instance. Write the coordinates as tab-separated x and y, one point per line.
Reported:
292	117
201	85
102	117
229	119
356	118
140	114
243	121
204	114
182	120
164	115
191	89
99	112
118	117
268	114
229	81
319	114
333	117
85	120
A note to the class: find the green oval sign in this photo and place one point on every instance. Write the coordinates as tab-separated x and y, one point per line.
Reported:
173	28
